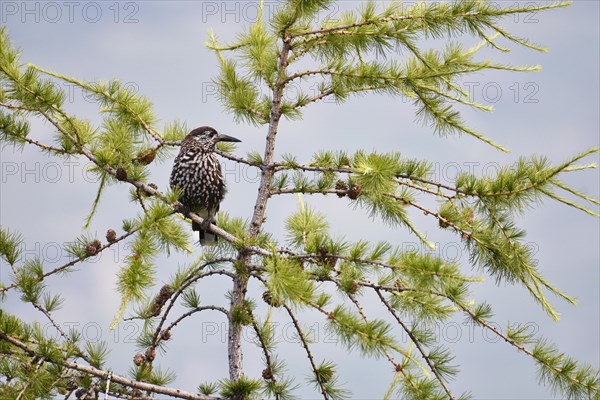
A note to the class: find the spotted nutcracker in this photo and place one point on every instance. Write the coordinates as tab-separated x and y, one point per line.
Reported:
197	172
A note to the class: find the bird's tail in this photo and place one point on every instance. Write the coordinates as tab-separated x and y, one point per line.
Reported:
206	238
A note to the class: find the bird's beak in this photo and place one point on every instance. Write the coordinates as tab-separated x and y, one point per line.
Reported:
226	138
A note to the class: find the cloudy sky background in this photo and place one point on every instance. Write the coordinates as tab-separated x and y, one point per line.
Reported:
157	47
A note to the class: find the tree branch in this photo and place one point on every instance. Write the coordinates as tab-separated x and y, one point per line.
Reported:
103	374
71	263
193	277
195	310
307	350
361	311
238	159
240	282
416	342
266	353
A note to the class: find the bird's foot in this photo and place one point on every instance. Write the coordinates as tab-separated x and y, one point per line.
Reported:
182	208
206	224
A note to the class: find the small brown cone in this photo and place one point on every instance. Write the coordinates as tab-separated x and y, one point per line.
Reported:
150	354
165	292
267	374
111	236
138	359
268	298
341	185
121	174
146	157
166	335
354	191
91	250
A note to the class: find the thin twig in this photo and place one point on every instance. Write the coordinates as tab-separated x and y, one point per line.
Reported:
141	200
52	321
195	310
283	166
237	159
193	277
75	261
26	385
324	31
274	192
416	342
361	311
266	353
306	347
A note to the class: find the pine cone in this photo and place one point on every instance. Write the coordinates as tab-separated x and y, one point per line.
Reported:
146	157
165	292
111	236
268	298
354	191
327	261
267	374
341	185
322	251
138	359
121	174
150	354
166	335
91	250
97	244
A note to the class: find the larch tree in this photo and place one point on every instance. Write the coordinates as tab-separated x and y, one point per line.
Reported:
374	49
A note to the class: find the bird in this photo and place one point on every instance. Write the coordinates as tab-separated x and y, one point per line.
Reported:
197	174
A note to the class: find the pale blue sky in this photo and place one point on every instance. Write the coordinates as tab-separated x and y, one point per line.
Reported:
157	47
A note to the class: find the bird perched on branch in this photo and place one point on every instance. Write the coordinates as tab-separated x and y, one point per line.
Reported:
197	172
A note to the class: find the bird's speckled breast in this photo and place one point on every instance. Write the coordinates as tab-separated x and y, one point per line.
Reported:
199	176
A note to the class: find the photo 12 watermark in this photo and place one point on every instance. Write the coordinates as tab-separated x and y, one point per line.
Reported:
54	12
483	92
237	12
216	332
65	171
